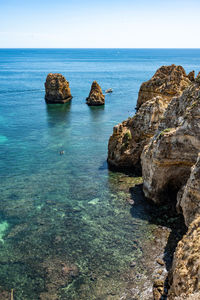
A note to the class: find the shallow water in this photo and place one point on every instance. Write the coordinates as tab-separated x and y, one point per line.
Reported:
66	229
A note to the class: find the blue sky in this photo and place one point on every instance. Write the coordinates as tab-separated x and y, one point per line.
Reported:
99	24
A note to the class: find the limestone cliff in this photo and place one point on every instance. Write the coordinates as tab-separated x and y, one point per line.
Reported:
185	280
129	138
57	89
166	130
169	156
190	197
167	82
96	96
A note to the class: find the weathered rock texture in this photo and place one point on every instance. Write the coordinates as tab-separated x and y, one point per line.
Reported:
166	130
190	200
169	156
129	138
96	96
57	89
167	82
186	265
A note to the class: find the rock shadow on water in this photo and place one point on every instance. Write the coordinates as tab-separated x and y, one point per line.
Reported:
165	217
96	112
58	114
103	166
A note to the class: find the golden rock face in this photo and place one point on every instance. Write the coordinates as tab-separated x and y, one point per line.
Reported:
96	96
153	99
57	89
169	156
186	264
168	81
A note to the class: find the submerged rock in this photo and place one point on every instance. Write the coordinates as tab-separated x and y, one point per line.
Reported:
129	138
57	89
96	96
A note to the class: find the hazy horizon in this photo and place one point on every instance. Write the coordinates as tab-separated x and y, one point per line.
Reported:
93	24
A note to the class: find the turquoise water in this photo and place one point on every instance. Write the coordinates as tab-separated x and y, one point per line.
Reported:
66	229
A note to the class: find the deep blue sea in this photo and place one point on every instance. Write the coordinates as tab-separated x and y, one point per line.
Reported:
66	228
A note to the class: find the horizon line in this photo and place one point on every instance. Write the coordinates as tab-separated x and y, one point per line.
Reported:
87	48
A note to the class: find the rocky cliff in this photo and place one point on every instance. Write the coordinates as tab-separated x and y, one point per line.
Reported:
129	138
169	156
166	130
57	89
167	82
185	279
96	96
189	198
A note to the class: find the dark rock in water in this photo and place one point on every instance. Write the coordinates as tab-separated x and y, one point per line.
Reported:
96	96
160	262
57	89
158	289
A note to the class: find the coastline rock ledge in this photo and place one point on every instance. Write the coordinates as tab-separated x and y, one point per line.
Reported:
96	96
57	89
131	136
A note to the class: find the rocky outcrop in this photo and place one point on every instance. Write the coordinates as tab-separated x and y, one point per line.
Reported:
129	138
169	156
57	89
166	130
96	96
186	265
167	82
189	200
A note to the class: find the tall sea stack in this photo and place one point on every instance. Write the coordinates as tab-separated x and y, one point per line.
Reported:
96	96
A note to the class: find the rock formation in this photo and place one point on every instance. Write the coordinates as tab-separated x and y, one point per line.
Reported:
167	82
171	172
96	96
169	156
166	130
129	138
186	264
57	89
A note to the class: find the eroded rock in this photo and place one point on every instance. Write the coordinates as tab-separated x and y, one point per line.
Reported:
57	89
170	154
185	279
190	200
168	81
96	96
129	138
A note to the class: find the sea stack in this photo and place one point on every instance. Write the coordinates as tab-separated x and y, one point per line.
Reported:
96	96
57	89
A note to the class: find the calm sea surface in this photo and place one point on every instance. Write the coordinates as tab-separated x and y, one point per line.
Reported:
66	229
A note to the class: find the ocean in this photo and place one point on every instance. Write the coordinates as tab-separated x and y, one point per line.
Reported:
67	230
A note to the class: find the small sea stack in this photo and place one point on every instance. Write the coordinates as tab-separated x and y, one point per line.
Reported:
57	89
96	96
